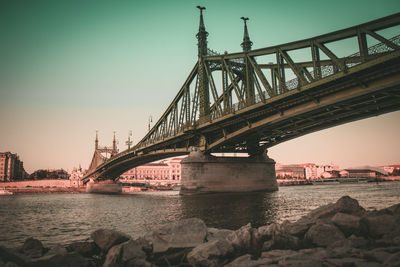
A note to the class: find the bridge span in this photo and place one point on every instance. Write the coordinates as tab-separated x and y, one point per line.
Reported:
271	95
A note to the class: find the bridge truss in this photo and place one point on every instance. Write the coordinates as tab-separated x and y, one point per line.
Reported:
259	98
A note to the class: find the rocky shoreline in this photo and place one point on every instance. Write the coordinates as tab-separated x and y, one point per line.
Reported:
337	234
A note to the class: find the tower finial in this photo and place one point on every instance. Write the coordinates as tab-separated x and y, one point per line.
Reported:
96	142
246	44
202	35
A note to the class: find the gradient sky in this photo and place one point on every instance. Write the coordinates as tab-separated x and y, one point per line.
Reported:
69	68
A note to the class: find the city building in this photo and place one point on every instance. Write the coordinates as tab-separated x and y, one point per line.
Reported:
289	171
366	172
11	167
169	169
392	169
76	177
49	174
313	171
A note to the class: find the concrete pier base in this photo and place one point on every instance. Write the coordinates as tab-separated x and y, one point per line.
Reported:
106	187
202	173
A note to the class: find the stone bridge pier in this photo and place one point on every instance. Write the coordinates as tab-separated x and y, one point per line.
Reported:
204	173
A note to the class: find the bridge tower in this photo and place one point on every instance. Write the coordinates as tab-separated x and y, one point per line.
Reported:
98	157
249	79
202	75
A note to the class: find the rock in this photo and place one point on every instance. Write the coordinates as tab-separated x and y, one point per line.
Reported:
393	260
394	209
300	263
113	256
33	248
214	233
282	241
213	253
270	258
10	255
347	223
65	260
358	242
377	226
86	249
58	249
244	240
129	253
11	264
376	255
132	250
105	238
324	234
267	232
356	262
182	234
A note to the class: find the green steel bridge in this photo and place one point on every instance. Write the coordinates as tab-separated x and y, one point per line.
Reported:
256	99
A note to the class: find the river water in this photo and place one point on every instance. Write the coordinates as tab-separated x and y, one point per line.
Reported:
64	218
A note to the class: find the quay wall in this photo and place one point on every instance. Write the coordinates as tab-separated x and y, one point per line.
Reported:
37	183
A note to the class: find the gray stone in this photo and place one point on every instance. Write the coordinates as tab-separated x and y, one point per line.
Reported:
377	226
213	253
268	231
282	241
65	260
270	258
324	234
129	253
106	238
356	262
33	248
11	264
84	248
359	242
58	249
393	260
12	255
214	233
244	239
182	234
376	255
113	257
347	223
300	263
276	255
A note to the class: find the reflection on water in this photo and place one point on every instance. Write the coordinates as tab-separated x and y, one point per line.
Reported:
231	210
63	218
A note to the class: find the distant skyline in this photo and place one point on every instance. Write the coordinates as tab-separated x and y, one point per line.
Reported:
69	68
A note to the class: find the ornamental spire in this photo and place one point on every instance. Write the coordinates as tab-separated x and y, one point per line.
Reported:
246	45
202	35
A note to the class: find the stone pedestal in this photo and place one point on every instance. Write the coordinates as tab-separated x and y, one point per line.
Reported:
202	173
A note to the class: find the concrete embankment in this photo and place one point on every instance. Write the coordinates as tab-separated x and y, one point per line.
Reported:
337	234
47	186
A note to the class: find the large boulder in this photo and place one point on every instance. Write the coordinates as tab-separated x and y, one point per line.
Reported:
33	248
347	223
345	204
86	249
244	240
213	253
214	233
106	238
377	226
62	260
186	233
129	253
322	234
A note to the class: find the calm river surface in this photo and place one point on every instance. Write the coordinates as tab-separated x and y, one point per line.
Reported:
64	218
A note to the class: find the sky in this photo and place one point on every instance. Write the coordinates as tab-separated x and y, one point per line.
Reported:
69	68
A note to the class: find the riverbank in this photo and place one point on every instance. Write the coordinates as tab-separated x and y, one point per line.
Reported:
337	234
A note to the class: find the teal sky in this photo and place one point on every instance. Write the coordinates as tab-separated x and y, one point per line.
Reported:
69	68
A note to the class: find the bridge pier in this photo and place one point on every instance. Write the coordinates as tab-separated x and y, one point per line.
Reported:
202	173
